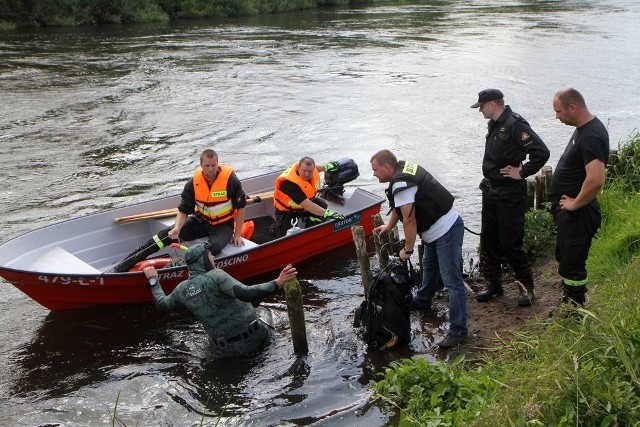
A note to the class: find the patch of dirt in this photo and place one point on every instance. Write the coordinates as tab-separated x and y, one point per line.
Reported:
501	315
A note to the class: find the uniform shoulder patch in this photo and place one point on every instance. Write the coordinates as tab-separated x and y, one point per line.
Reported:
524	136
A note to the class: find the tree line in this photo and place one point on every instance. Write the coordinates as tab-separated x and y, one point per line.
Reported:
83	12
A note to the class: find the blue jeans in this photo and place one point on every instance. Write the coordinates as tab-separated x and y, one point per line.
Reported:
443	257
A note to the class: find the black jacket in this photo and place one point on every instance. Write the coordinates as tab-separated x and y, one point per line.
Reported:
510	140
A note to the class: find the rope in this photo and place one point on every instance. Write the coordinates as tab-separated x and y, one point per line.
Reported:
472	232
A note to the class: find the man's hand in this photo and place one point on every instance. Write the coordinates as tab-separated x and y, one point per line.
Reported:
328	167
150	271
174	233
329	214
237	240
381	229
512	172
152	276
567	203
287	273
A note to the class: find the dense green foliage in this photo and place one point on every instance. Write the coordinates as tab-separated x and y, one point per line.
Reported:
80	12
580	369
539	232
623	171
435	394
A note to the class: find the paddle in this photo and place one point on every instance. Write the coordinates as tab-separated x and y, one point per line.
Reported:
256	198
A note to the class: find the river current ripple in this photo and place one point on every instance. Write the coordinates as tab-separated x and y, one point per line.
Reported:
98	117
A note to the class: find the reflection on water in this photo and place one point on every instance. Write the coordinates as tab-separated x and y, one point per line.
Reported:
161	364
104	116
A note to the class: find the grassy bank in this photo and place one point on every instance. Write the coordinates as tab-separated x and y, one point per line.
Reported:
581	369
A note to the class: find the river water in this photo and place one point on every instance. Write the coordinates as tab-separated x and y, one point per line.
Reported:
97	117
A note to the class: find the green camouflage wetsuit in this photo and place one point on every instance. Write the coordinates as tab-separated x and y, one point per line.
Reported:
221	304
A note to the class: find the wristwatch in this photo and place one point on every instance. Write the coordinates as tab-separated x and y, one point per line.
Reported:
153	280
408	252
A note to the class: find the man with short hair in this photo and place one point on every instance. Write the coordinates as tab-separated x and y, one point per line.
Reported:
295	197
221	303
509	141
575	184
425	208
212	205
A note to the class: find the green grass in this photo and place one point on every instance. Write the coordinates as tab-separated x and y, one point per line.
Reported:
6	26
582	369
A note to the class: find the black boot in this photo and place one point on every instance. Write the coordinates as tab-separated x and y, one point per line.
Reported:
574	294
140	253
492	287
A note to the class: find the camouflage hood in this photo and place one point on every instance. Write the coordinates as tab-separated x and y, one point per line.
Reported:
197	259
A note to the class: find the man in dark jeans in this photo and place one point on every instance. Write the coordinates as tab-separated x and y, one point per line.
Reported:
509	141
425	209
575	184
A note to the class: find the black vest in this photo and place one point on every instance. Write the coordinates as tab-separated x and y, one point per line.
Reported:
432	199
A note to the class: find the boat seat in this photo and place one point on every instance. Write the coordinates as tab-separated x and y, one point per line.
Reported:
59	261
231	249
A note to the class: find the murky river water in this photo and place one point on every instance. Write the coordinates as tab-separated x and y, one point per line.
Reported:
93	118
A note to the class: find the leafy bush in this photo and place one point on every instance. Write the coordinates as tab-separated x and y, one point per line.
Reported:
539	232
623	170
436	393
4	26
149	12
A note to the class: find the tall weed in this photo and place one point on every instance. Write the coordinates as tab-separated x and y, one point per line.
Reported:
623	171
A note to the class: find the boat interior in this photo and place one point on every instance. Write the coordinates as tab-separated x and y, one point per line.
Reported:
94	244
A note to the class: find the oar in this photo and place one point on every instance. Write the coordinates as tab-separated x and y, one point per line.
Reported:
256	198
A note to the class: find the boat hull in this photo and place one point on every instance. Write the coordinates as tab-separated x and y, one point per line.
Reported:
84	283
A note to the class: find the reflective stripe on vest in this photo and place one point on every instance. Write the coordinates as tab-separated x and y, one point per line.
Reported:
213	203
283	202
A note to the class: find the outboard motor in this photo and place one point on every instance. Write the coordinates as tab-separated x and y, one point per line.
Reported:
333	189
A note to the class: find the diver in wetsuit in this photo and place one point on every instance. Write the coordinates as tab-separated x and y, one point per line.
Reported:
221	303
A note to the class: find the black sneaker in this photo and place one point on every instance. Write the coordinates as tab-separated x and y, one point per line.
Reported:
415	305
451	340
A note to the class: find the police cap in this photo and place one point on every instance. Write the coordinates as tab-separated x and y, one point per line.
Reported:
486	96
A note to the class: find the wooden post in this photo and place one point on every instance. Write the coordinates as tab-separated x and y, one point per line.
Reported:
531	192
546	171
360	241
541	191
295	310
380	240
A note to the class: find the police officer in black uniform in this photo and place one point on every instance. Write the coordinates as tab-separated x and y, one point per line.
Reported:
509	141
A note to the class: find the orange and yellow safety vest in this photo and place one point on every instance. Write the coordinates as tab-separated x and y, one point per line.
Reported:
213	203
281	201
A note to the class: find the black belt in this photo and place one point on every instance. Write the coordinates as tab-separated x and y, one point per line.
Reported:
223	342
504	183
